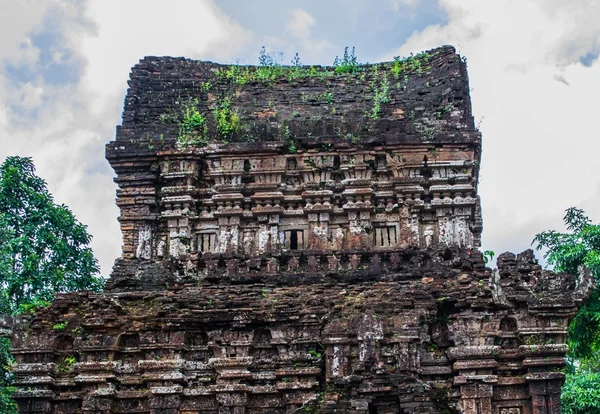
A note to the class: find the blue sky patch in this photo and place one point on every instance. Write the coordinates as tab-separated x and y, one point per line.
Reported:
374	27
588	59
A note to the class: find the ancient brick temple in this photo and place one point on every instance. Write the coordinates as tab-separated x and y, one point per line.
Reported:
301	239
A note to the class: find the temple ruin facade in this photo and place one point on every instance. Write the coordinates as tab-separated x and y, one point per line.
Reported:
301	240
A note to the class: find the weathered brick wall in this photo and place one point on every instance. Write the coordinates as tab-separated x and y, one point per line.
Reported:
300	244
430	331
433	94
307	154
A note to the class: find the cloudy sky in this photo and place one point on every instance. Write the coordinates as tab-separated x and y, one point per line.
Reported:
533	67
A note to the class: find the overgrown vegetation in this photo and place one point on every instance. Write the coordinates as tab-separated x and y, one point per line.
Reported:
270	68
193	128
7	405
325	97
228	122
567	252
581	393
196	126
287	137
418	63
66	365
59	326
381	95
348	63
488	256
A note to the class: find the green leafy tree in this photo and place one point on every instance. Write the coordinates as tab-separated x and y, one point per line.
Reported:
7	405
568	252
43	250
581	393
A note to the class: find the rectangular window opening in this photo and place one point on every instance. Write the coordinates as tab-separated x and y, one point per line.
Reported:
385	236
207	242
294	239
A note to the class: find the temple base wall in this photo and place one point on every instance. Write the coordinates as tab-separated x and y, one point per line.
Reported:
429	332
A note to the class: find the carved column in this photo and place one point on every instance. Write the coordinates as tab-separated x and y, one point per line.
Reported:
358	206
408	193
178	203
318	208
229	212
268	211
358	173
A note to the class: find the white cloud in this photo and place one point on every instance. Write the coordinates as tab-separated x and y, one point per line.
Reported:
300	23
72	123
539	103
31	95
17	21
127	31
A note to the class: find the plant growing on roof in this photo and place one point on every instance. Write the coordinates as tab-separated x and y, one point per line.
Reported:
414	63
348	63
488	256
381	96
193	128
66	365
228	123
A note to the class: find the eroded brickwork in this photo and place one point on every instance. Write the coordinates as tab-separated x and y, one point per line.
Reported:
301	244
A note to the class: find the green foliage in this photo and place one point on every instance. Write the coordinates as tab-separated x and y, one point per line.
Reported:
446	109
59	326
315	354
427	132
269	70
488	256
7	405
355	139
43	250
228	123
296	61
206	86
326	97
292	147
414	63
381	96
32	305
235	73
311	163
581	393
567	252
270	67
268	59
67	365
193	128
348	64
